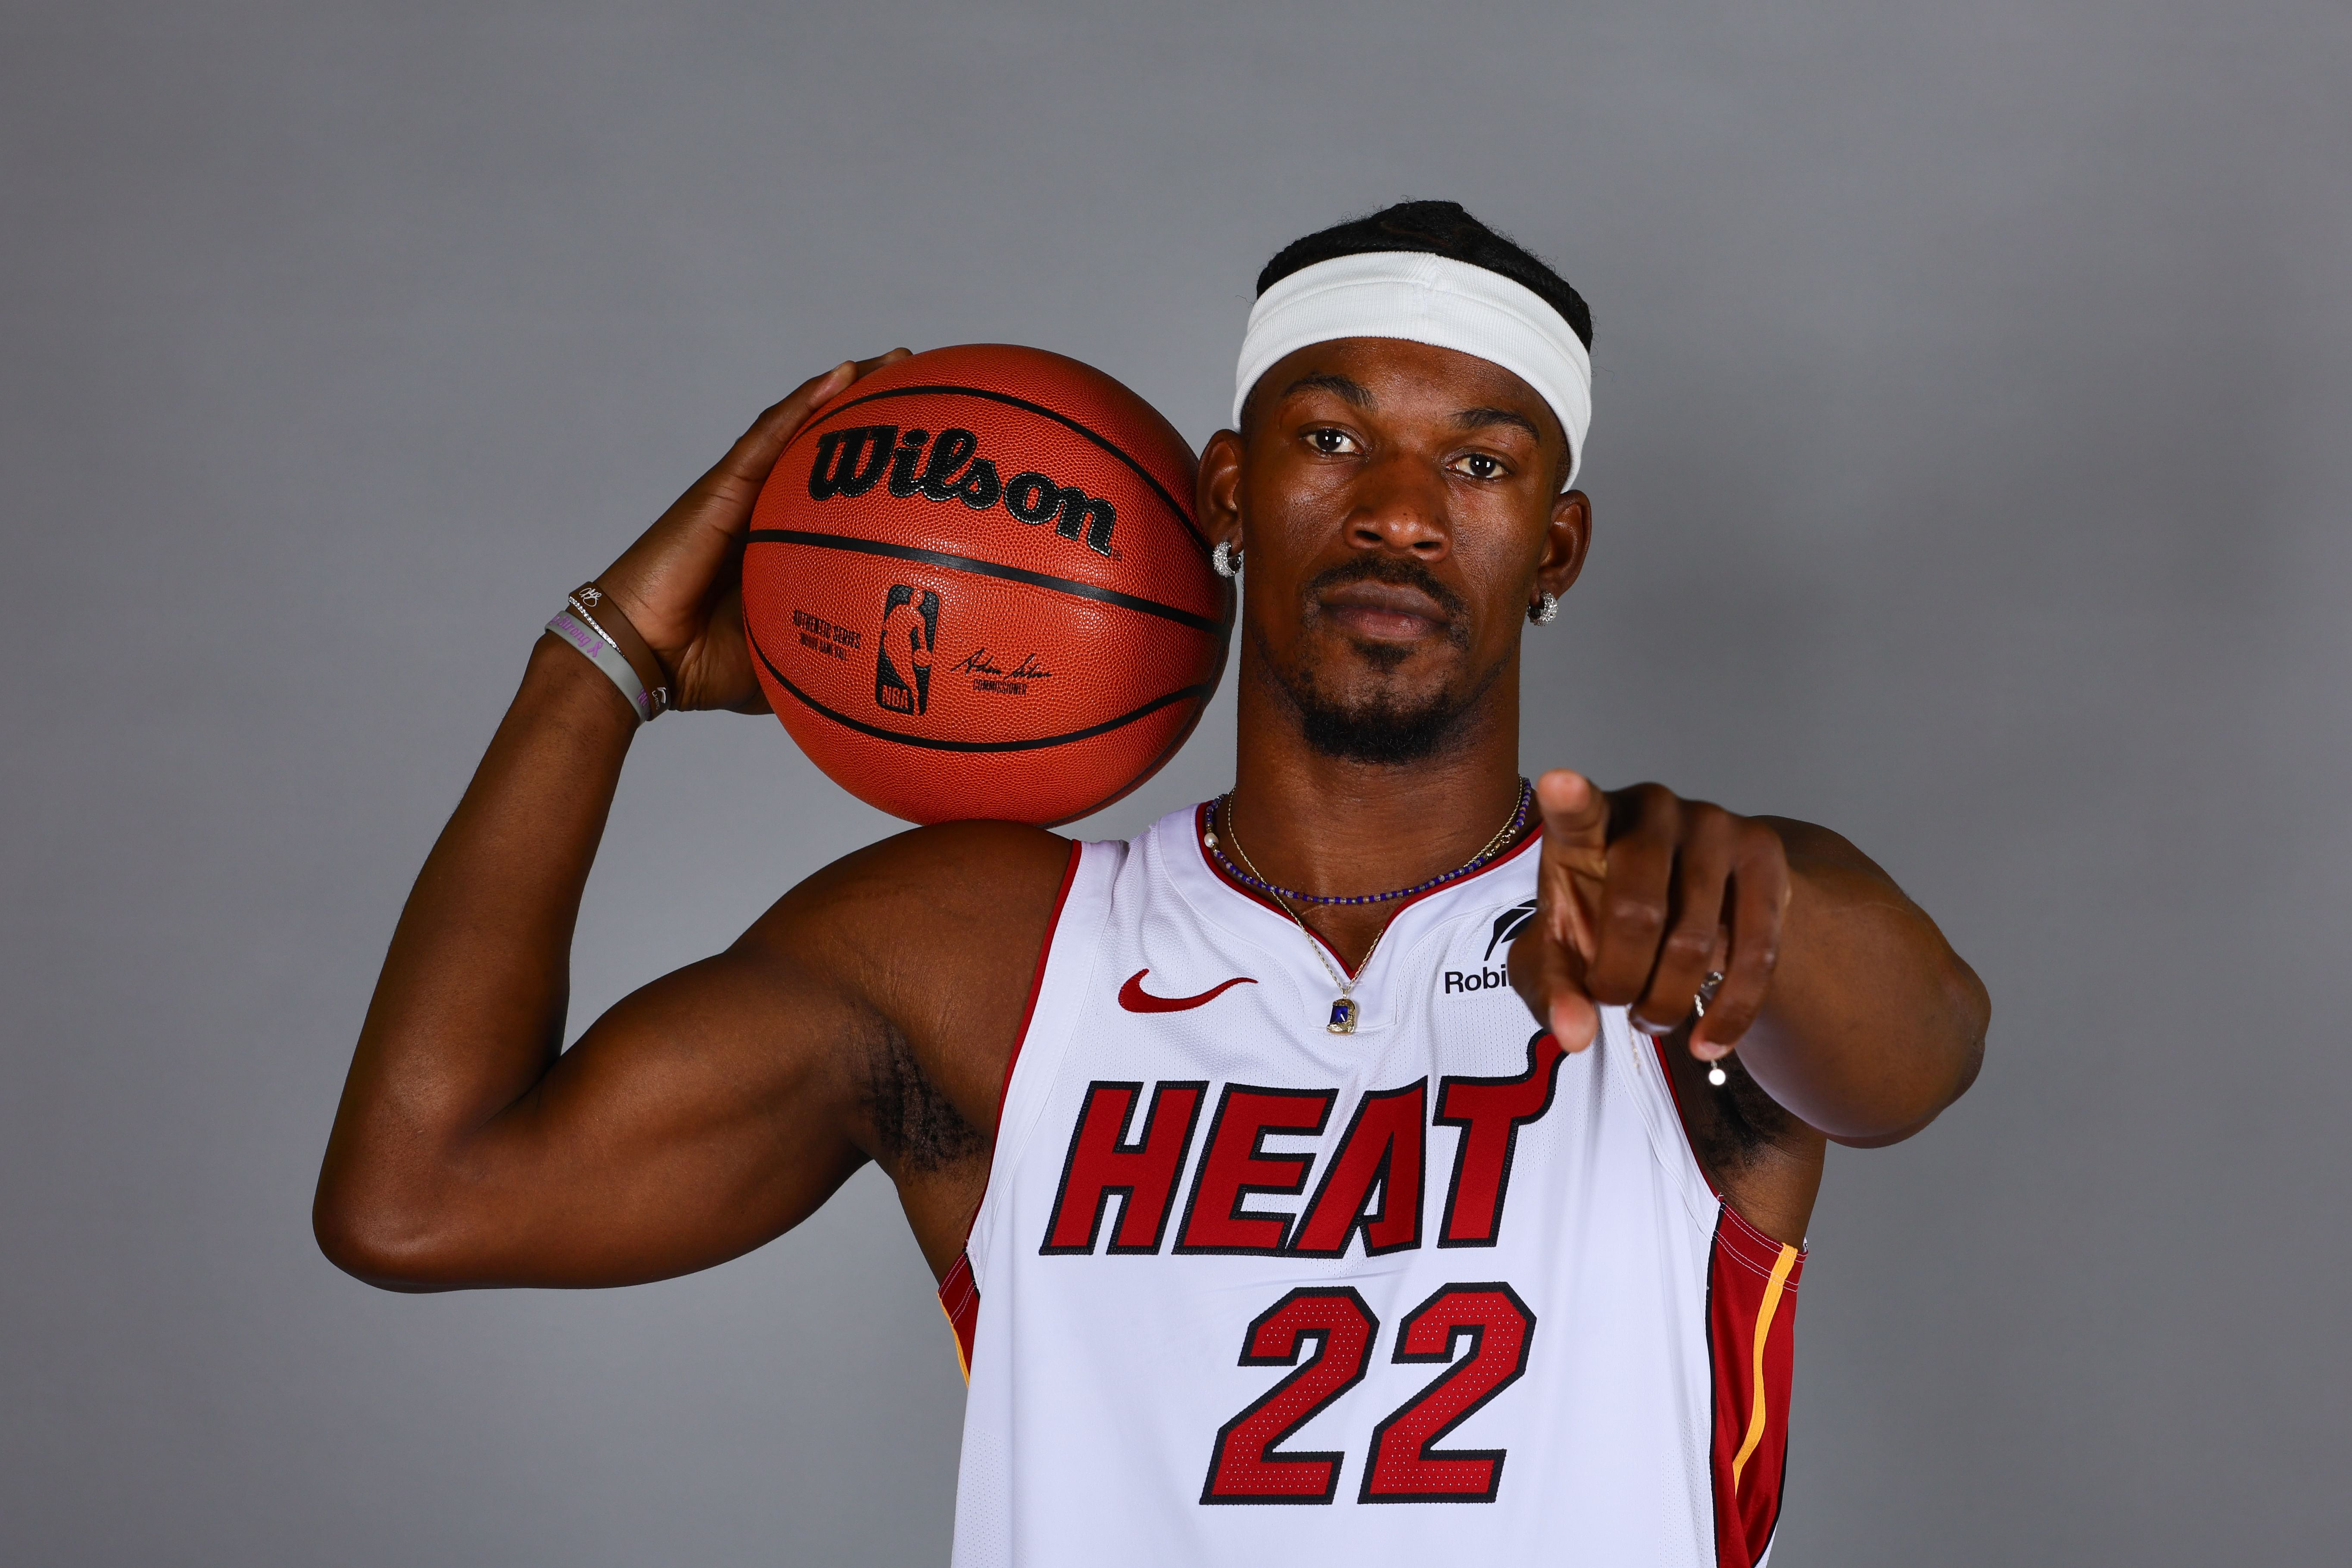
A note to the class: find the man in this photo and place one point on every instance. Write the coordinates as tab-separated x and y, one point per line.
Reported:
1248	1179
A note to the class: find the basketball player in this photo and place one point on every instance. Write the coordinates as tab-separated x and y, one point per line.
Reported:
1387	1161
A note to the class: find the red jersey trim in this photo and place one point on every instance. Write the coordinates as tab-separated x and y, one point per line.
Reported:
1201	827
1036	985
958	1292
1751	1311
959	1299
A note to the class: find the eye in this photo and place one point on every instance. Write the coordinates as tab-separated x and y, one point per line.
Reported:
1480	466
1331	443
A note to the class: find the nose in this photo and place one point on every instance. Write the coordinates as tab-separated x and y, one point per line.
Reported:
1400	506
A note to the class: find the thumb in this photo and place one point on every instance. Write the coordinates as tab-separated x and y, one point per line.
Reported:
732	485
737	477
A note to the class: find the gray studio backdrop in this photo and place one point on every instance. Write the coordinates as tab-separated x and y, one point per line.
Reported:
1970	470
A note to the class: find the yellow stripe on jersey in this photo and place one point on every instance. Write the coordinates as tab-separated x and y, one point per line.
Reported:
1756	1413
956	1338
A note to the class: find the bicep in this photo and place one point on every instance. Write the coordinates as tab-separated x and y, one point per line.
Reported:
719	1106
699	1118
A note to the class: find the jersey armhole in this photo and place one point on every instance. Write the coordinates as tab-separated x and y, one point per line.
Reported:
1037	984
960	1291
1065	965
1661	1106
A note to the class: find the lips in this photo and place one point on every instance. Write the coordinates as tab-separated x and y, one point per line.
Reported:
1385	610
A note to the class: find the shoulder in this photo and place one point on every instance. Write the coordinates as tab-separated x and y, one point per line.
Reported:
964	891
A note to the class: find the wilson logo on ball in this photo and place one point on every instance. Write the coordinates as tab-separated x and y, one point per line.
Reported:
853	461
910	615
942	664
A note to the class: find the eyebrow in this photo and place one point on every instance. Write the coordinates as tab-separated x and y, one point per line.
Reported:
1354	393
1478	418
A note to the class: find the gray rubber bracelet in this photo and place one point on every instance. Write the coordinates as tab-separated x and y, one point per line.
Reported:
606	658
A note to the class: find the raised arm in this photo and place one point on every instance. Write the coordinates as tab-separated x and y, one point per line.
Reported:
722	1104
1845	1006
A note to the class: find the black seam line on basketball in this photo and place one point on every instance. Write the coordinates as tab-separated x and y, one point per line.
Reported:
879	733
1105	442
985	569
1166	751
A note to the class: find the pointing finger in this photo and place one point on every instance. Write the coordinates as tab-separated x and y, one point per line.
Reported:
1575	865
1548	977
1574	810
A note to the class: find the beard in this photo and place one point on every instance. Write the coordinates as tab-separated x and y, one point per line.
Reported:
1381	728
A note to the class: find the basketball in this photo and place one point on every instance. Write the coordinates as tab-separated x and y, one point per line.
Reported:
974	587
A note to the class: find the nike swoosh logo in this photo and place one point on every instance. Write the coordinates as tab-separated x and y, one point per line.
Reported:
1136	999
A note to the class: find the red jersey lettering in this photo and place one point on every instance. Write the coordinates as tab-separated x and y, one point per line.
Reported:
1490	1111
1234	1166
1142	1173
1381	1151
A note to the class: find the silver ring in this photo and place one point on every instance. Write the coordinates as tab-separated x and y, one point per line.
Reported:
1711	982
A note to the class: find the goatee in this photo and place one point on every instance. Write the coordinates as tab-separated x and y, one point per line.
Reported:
1380	729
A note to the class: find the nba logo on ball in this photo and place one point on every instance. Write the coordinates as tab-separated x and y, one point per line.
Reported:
911	617
1050	625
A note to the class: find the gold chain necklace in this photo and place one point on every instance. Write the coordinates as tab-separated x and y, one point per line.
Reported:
1345	1010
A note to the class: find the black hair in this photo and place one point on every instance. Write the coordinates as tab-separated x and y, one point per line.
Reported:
1437	228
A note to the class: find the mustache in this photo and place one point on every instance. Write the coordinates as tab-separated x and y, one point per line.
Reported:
1399	571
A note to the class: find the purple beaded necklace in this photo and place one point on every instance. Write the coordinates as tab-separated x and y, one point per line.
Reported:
1224	808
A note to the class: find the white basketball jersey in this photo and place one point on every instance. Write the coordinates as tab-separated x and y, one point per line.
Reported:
1245	1290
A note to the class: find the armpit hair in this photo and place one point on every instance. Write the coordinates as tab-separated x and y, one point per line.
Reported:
918	1129
1739	1122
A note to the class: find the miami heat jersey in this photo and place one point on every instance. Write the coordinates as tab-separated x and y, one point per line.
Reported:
1245	1290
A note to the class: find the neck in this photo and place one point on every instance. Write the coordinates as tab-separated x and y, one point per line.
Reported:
1336	826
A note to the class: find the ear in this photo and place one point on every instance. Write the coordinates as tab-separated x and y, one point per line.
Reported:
1567	538
1217	493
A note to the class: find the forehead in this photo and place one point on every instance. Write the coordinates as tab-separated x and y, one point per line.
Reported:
1410	381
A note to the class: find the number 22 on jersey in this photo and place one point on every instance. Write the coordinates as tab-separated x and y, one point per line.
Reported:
1405	1464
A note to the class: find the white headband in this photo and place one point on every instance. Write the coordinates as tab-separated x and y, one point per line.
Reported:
1425	298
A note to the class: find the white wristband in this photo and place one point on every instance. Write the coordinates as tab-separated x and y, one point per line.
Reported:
606	654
